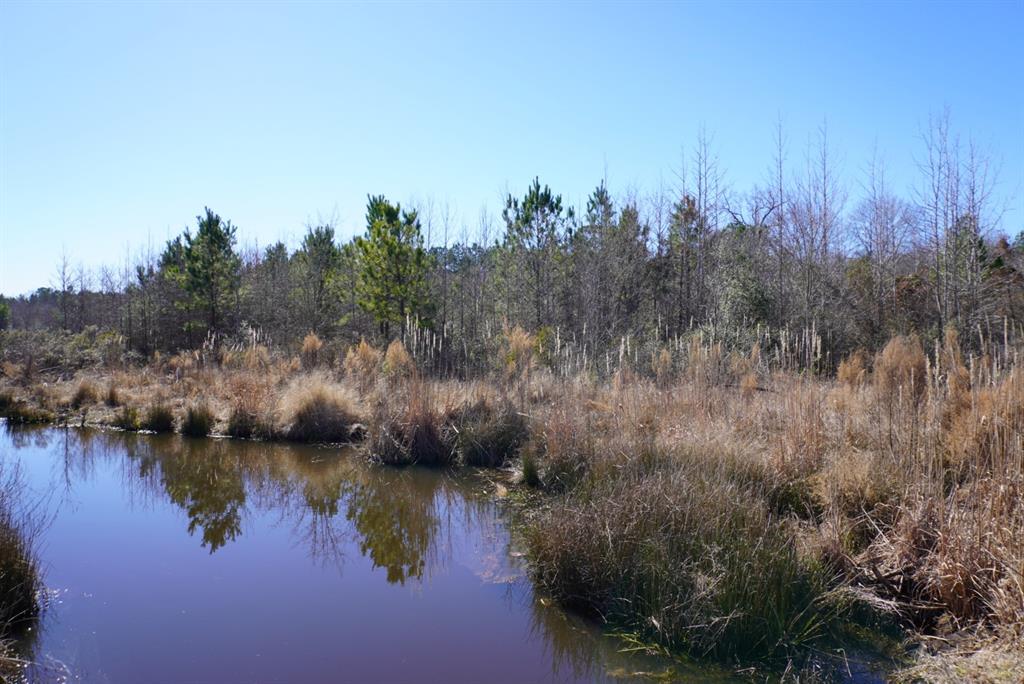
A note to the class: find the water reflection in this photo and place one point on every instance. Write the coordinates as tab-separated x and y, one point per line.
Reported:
394	516
175	559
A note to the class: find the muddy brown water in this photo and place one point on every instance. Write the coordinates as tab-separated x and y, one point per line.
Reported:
168	559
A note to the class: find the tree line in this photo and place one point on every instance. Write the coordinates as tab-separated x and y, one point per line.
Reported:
792	254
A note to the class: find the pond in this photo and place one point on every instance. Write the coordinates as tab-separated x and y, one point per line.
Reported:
168	559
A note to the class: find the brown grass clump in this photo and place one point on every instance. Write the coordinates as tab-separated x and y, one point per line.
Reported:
958	379
984	433
251	407
518	353
901	370
362	362
127	418
683	556
310	351
182	362
159	418
85	394
111	397
20	581
21	412
488	437
748	385
315	409
706	364
397	362
853	369
410	429
661	365
256	357
562	448
199	420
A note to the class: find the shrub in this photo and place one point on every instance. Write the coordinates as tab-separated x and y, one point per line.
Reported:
244	423
198	422
563	448
518	356
313	409
251	413
748	385
159	418
531	472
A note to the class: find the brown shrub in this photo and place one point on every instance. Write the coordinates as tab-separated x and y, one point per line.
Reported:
562	448
488	437
397	362
853	369
310	351
159	418
518	357
901	370
361	364
706	364
251	410
958	379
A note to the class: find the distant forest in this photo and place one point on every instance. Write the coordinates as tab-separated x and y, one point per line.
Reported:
802	256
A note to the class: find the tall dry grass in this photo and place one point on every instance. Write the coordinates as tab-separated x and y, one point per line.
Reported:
314	408
20	582
715	501
310	351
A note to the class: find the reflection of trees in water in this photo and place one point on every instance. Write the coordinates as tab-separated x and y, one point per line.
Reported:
401	520
395	517
207	483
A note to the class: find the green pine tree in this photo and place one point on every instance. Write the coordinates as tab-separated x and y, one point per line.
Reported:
393	267
212	269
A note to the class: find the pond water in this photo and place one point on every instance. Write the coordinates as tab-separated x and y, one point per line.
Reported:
168	559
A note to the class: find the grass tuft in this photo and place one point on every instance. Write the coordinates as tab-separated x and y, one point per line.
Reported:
159	418
314	409
199	420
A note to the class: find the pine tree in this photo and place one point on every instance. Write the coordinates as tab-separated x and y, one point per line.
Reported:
212	269
316	267
393	267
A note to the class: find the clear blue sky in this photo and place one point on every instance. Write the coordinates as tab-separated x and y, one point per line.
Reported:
119	122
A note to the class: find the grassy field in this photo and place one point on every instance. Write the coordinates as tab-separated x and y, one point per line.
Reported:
704	501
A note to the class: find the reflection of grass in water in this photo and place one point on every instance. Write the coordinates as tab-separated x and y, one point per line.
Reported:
20	581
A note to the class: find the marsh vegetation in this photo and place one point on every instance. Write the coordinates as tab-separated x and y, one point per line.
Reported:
713	503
